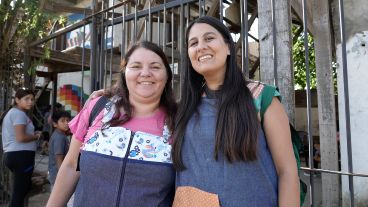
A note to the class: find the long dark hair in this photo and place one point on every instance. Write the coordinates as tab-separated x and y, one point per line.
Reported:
121	89
20	93
237	124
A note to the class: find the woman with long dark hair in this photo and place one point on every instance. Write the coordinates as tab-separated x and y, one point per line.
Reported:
19	145
219	145
125	154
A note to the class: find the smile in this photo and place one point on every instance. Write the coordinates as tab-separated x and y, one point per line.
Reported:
204	58
146	83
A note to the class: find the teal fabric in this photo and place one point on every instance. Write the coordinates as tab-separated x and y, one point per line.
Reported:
257	101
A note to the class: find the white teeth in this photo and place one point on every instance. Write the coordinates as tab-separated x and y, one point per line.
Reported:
202	58
146	83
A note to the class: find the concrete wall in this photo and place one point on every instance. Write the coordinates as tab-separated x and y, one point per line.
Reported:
357	56
301	121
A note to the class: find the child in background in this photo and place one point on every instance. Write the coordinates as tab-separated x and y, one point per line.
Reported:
59	143
47	129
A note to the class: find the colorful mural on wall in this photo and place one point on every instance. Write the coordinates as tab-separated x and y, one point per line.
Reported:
70	96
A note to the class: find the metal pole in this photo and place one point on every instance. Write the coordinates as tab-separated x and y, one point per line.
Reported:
158	29
172	47
102	49
164	29
93	29
204	8
244	36
145	29
274	43
346	97
200	8
181	42
135	22
149	21
112	43
83	59
221	10
123	36
105	52
309	105
188	15
334	172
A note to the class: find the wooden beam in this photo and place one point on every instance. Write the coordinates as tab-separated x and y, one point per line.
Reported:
214	10
254	68
58	57
326	102
277	48
62	68
141	20
297	6
61	8
47	75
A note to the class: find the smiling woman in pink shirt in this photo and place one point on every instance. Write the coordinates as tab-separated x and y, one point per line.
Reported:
125	154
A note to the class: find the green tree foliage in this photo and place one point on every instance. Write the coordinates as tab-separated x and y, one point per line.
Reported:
300	75
299	61
21	22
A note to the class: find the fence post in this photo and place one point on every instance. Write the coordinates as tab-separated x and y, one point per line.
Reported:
326	102
285	74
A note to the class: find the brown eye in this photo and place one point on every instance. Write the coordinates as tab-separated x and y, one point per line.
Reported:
134	67
208	39
192	44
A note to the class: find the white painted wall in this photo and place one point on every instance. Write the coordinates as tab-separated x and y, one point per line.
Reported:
356	31
75	78
357	61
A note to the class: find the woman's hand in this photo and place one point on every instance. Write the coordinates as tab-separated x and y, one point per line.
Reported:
95	94
38	135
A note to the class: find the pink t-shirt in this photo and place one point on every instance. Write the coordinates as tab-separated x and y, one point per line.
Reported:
153	124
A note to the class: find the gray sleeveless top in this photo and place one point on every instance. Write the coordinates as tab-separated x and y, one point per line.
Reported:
251	183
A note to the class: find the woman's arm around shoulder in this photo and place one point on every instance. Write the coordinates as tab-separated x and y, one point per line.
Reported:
67	177
277	130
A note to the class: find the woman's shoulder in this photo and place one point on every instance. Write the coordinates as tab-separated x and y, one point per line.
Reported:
261	90
16	112
91	103
96	105
255	87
